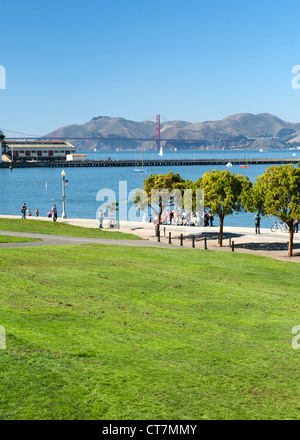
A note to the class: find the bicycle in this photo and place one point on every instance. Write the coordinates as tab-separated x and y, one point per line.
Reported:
279	226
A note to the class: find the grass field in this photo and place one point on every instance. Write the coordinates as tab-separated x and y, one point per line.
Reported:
100	332
50	227
7	239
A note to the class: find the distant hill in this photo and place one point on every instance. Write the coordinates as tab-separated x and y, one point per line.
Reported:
243	129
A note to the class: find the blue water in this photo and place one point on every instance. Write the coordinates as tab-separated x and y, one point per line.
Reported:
29	184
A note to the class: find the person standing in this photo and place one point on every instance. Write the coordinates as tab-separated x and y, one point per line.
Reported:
211	219
54	213
257	223
23	210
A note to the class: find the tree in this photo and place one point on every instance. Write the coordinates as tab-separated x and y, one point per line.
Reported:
160	191
2	139
224	194
277	193
113	207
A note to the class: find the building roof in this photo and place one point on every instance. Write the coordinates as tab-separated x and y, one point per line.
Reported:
29	145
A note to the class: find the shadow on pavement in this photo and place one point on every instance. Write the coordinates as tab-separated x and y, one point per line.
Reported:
267	246
212	236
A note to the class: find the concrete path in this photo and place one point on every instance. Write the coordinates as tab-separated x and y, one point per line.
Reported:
270	244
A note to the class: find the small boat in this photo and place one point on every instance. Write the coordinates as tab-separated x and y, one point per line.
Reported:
261	150
244	166
294	154
161	153
229	165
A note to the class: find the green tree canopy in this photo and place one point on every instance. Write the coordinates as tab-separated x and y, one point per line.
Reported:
224	194
156	193
2	139
277	193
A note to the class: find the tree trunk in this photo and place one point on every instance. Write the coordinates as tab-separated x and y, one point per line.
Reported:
220	241
156	229
159	218
291	237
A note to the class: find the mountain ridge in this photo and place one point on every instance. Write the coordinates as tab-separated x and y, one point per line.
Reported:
262	130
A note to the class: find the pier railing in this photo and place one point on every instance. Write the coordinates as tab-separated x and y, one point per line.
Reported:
147	162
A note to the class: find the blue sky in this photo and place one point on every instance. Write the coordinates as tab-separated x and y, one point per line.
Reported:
68	61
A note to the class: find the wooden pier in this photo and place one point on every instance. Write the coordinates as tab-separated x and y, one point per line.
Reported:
147	163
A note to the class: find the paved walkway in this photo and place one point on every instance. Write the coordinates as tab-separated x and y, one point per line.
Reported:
54	240
267	243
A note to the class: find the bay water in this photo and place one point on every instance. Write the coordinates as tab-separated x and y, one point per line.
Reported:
42	187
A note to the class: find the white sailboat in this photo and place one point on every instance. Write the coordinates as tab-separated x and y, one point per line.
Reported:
229	165
139	170
161	153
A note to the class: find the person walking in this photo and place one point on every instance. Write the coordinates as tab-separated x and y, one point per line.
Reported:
54	213
101	217
205	218
257	223
296	226
211	219
23	210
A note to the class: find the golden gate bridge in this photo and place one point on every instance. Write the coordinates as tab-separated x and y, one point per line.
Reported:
157	138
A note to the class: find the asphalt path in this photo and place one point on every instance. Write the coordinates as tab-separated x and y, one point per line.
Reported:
54	240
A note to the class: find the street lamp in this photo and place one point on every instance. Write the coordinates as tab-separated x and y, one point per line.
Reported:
63	174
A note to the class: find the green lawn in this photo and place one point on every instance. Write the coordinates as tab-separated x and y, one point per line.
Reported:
50	227
100	332
7	239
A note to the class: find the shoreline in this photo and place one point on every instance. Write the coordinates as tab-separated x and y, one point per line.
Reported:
93	223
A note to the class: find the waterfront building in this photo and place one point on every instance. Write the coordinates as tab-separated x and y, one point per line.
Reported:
39	150
76	157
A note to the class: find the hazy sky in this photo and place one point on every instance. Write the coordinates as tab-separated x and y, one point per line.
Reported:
194	60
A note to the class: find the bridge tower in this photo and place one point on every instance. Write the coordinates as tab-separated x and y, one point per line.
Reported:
157	133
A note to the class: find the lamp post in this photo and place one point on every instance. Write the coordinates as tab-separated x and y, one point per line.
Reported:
64	215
